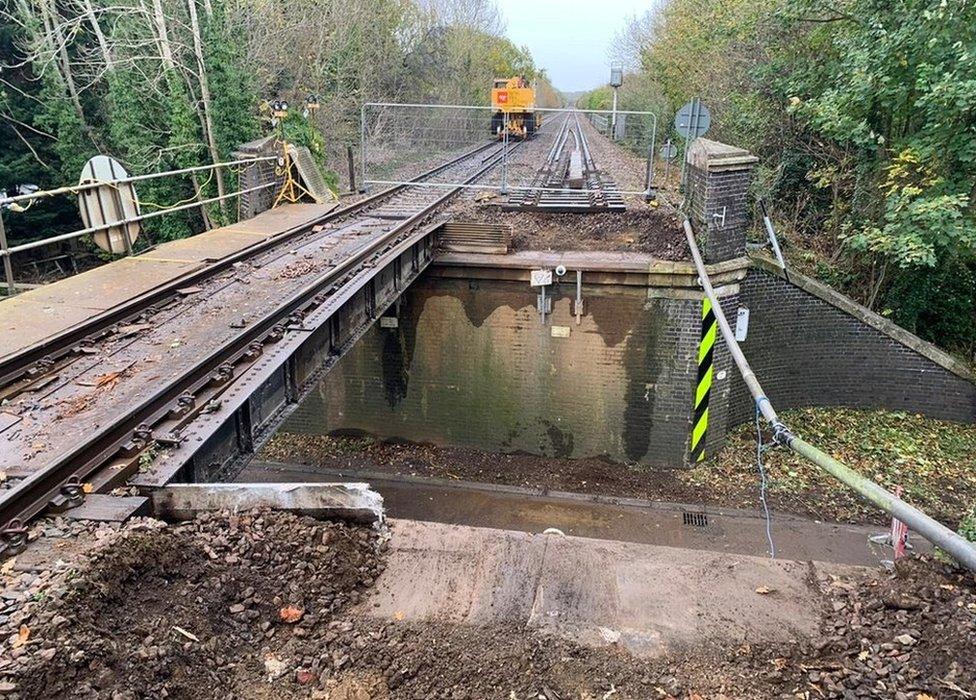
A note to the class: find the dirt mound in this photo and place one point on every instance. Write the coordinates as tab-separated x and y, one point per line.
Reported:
267	604
910	635
655	231
203	609
441	660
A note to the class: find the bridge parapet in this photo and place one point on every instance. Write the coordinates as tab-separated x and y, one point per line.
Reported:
719	177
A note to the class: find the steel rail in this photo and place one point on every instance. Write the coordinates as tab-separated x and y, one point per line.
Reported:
15	365
25	499
935	532
589	163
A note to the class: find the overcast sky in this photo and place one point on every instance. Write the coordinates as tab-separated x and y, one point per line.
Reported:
569	38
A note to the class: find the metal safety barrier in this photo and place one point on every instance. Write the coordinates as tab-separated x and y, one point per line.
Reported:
397	138
7	251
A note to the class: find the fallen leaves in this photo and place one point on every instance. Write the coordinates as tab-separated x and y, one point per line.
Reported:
21	637
291	614
929	458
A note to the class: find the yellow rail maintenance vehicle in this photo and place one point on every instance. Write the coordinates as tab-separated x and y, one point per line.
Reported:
513	105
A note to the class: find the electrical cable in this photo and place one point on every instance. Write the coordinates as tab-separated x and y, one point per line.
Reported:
760	448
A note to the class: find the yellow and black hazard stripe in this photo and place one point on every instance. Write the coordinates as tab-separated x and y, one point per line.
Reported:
706	347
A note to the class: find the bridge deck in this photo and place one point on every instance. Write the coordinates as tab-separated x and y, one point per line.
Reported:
42	313
97	389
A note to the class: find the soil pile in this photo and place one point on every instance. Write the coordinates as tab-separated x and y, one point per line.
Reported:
907	636
268	604
203	609
643	229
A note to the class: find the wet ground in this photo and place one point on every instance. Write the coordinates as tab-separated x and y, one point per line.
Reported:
688	526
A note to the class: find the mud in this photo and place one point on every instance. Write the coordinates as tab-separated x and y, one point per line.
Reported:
641	229
261	605
592	475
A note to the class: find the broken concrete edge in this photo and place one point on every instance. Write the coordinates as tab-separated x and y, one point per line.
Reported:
865	315
643	270
354	501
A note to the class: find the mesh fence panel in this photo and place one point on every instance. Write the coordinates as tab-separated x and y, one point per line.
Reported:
403	141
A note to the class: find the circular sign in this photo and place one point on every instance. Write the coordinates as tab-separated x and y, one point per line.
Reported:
669	151
106	206
693	119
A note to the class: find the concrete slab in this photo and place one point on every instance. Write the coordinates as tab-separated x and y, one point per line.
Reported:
649	599
457	573
349	501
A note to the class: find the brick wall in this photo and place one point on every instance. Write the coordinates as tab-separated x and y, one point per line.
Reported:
719	177
470	364
254	175
808	352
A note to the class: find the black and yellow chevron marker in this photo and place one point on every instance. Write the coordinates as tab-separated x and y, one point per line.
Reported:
700	424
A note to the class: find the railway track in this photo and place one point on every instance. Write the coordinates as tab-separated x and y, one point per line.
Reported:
569	180
80	436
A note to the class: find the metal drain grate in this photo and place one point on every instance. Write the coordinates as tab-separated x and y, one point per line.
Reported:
695	519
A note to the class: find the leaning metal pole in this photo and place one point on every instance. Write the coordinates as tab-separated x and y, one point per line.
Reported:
935	532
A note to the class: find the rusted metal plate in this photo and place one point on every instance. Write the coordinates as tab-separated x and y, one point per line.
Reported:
207	247
283	218
106	508
25	322
475	237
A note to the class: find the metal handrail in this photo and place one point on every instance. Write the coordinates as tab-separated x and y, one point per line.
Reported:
75	189
131	220
6	251
935	532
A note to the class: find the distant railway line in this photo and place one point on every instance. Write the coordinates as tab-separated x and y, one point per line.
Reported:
569	180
